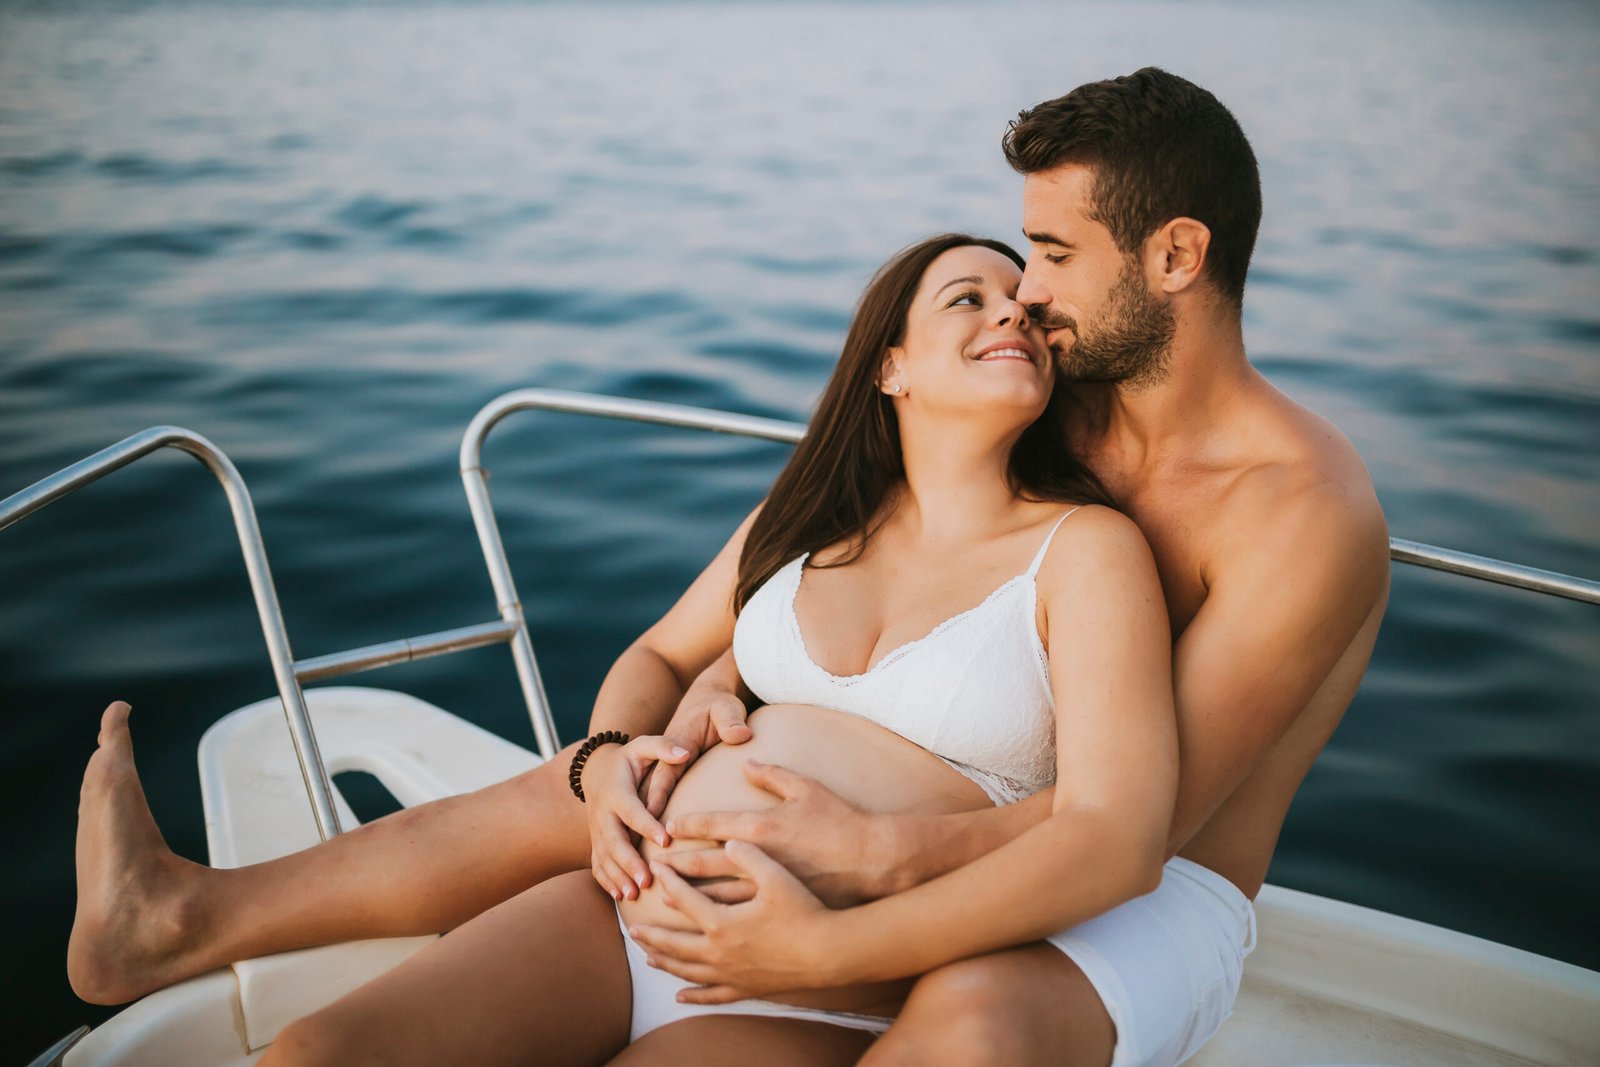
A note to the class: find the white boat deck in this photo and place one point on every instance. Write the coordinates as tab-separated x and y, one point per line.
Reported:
1276	1025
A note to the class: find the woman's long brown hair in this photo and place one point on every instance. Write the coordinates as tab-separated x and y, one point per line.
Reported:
847	464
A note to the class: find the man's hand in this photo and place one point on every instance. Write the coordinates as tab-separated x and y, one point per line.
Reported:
835	848
611	780
772	944
709	713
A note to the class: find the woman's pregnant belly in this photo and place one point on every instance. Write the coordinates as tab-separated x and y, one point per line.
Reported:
871	767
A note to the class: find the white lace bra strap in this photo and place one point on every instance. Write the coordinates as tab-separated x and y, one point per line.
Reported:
1038	560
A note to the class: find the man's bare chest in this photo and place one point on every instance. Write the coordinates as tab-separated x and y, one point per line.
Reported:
1180	531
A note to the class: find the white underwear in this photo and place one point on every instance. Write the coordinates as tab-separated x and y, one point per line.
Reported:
1167	965
655	1002
1000	789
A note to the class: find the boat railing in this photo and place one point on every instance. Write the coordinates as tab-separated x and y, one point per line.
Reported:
511	627
86	471
1430	557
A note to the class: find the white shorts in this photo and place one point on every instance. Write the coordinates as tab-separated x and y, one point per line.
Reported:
1167	965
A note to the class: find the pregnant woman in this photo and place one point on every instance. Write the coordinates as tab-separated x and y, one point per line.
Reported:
940	615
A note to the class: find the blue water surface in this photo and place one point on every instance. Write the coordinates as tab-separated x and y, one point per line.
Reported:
325	235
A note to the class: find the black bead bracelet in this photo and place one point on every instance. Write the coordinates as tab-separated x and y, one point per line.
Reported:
585	750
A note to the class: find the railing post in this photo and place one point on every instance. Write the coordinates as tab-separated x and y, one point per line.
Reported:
476	482
475	477
319	790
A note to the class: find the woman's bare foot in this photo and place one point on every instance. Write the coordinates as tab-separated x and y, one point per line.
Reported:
136	899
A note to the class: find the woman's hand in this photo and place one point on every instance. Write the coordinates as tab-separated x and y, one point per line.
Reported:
776	942
710	713
611	779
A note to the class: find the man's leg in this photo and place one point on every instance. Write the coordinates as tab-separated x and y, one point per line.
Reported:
147	918
541	978
1022	1007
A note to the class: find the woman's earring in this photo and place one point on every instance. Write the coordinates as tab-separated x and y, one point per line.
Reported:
895	388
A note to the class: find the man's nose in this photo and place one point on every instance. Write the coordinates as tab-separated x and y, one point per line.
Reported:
1031	291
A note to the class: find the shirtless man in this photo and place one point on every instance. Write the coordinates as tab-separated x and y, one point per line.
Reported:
1141	202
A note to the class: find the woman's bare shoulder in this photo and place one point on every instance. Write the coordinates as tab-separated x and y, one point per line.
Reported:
1094	544
1095	525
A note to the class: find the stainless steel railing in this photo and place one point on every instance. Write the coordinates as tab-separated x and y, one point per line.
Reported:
1494	570
20	505
1402	551
475	477
511	628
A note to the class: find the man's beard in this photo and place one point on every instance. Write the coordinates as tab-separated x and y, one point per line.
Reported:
1133	346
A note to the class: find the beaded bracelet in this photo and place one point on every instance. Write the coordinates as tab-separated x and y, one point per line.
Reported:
585	750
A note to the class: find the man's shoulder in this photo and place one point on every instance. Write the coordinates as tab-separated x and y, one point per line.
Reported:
1322	485
1307	487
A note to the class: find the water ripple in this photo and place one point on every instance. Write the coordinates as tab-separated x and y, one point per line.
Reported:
1577	331
137	167
41	166
183	241
22	246
1384	240
377	213
127	372
797	264
395	306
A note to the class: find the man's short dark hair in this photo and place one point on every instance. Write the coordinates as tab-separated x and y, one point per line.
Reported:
1161	148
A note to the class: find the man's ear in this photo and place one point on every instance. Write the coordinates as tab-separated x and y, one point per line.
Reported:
1175	255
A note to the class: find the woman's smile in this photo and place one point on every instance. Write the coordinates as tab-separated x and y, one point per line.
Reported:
1007	350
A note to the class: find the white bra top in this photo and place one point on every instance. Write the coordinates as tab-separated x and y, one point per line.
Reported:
975	691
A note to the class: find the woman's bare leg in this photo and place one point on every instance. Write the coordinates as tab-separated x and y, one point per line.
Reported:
541	978
740	1040
147	918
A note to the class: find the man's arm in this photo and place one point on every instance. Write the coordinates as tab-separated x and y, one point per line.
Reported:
919	848
1298	574
845	855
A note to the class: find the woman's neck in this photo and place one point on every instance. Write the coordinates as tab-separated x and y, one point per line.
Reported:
956	485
